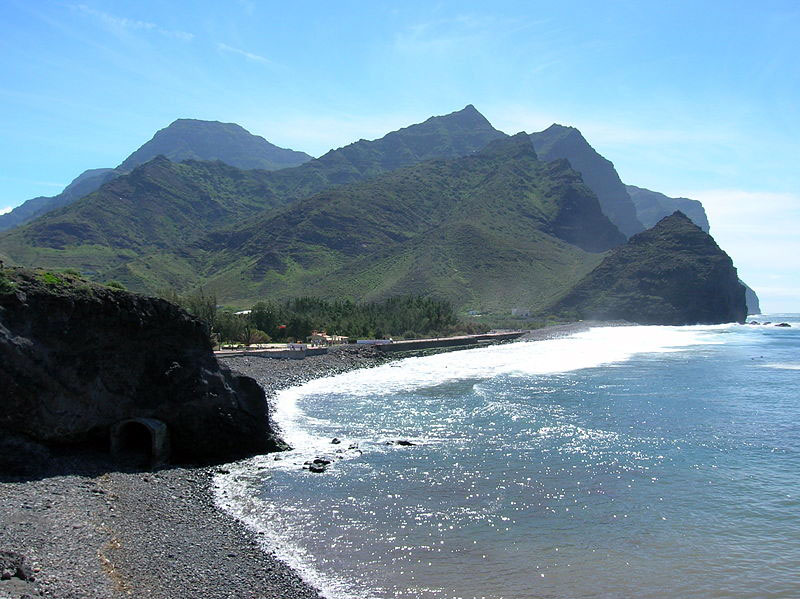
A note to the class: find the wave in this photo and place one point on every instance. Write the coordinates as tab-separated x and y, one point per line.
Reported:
238	492
589	349
783	366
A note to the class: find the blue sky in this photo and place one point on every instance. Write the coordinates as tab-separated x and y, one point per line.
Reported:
700	99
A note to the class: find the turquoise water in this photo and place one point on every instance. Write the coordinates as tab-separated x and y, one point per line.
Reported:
622	462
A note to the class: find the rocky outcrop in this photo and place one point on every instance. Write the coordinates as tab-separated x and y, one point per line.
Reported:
77	358
672	274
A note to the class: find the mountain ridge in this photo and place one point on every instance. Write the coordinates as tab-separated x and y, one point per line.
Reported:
183	139
564	142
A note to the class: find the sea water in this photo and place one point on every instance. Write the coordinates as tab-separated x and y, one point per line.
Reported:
619	462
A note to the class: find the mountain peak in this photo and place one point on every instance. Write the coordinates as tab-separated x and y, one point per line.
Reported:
185	139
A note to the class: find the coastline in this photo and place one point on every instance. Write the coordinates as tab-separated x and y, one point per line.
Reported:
89	529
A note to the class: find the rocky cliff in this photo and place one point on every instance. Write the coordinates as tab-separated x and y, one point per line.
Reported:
78	358
558	141
652	206
672	274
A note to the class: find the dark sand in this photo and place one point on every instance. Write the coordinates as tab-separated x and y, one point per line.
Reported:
90	529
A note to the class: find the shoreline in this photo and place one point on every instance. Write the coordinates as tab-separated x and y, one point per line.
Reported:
89	529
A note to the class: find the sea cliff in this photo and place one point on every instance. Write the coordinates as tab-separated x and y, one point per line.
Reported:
78	359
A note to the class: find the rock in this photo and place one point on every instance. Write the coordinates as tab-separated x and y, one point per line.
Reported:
335	441
317	468
77	358
404	443
19	455
13	565
783	324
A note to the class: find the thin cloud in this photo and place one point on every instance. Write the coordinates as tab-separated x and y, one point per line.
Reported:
456	33
117	23
6	210
246	54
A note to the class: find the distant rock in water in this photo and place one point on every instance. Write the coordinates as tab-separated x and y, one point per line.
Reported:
76	359
672	274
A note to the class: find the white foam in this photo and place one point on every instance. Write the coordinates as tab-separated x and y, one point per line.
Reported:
783	366
237	493
589	349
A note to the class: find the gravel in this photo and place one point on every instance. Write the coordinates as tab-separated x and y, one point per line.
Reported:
89	528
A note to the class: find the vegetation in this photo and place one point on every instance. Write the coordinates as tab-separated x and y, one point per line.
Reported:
141	228
393	317
495	228
671	274
6	284
295	319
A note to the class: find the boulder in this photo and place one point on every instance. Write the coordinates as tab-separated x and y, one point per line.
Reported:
77	359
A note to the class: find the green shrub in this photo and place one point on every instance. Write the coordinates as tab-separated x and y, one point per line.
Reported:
115	285
6	284
51	278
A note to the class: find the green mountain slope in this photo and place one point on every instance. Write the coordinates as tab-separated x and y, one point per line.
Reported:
158	208
191	139
84	184
671	274
558	141
116	224
184	139
496	228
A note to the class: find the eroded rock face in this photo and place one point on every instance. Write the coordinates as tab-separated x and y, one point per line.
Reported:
672	274
76	358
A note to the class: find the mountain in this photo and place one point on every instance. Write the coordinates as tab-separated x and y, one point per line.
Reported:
190	139
497	228
163	204
672	274
184	139
558	141
456	134
84	184
652	206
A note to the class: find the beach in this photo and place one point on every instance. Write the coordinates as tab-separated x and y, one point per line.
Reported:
85	527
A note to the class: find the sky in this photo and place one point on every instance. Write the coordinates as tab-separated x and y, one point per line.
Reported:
698	99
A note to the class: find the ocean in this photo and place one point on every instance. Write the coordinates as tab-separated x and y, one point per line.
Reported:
618	462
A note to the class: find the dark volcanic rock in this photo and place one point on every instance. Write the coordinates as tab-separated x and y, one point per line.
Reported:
77	358
671	274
